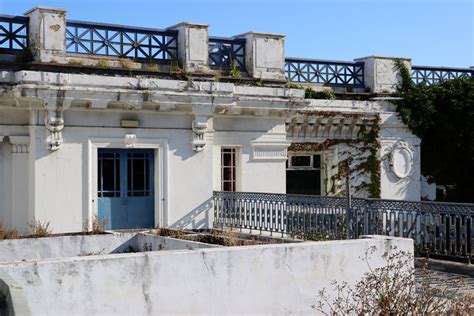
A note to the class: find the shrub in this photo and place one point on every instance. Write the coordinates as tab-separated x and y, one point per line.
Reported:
327	94
391	290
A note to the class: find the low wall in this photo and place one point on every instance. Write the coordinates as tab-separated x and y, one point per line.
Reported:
89	245
282	278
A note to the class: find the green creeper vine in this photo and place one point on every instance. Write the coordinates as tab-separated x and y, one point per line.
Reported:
363	158
442	116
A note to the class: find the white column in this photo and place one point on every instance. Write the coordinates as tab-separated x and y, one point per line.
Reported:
193	41
47	32
380	74
20	183
265	55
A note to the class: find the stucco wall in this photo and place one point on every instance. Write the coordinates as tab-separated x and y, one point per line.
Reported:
253	279
88	245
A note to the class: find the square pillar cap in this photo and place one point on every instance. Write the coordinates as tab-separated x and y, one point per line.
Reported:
45	9
188	24
260	34
382	57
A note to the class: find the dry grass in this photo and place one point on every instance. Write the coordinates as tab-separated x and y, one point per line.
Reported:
39	229
75	62
127	63
8	233
102	64
167	232
96	225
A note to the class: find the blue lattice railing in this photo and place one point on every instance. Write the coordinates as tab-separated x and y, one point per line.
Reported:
443	229
329	73
225	52
141	44
13	34
430	75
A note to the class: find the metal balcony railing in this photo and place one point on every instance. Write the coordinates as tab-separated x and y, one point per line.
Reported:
13	34
140	44
430	75
226	52
442	229
325	72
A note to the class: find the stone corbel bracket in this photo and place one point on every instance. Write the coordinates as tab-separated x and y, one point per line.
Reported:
199	127
54	123
401	159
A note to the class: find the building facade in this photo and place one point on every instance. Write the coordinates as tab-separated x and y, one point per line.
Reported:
142	130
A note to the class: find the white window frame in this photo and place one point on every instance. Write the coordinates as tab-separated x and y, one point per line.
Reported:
237	180
310	167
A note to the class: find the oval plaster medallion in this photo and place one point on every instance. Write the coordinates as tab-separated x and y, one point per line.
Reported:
401	161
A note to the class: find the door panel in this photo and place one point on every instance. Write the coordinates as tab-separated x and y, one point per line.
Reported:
126	188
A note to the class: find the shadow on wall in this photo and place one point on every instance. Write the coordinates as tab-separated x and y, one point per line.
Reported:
198	218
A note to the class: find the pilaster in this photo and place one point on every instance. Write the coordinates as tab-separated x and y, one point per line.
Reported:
20	182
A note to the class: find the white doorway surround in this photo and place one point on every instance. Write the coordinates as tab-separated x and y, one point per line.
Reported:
160	147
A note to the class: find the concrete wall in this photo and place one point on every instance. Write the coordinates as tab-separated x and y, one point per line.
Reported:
254	279
88	245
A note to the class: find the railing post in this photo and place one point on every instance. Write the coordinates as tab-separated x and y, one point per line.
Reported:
348	200
380	73
265	55
47	34
193	52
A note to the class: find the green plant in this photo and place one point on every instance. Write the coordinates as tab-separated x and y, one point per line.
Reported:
234	70
8	233
327	94
442	115
391	290
39	229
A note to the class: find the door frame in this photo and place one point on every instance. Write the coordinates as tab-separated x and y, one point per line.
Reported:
160	148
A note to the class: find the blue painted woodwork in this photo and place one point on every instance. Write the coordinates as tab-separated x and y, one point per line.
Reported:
125	188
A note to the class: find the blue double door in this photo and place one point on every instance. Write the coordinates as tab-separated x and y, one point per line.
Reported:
126	188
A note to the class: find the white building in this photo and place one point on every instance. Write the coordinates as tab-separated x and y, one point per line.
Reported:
144	141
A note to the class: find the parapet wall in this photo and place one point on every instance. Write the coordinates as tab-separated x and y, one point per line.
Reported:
270	279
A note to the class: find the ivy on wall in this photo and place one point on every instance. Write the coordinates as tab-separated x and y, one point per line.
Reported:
442	115
362	155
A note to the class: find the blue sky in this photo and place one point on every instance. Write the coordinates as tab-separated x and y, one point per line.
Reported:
431	32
